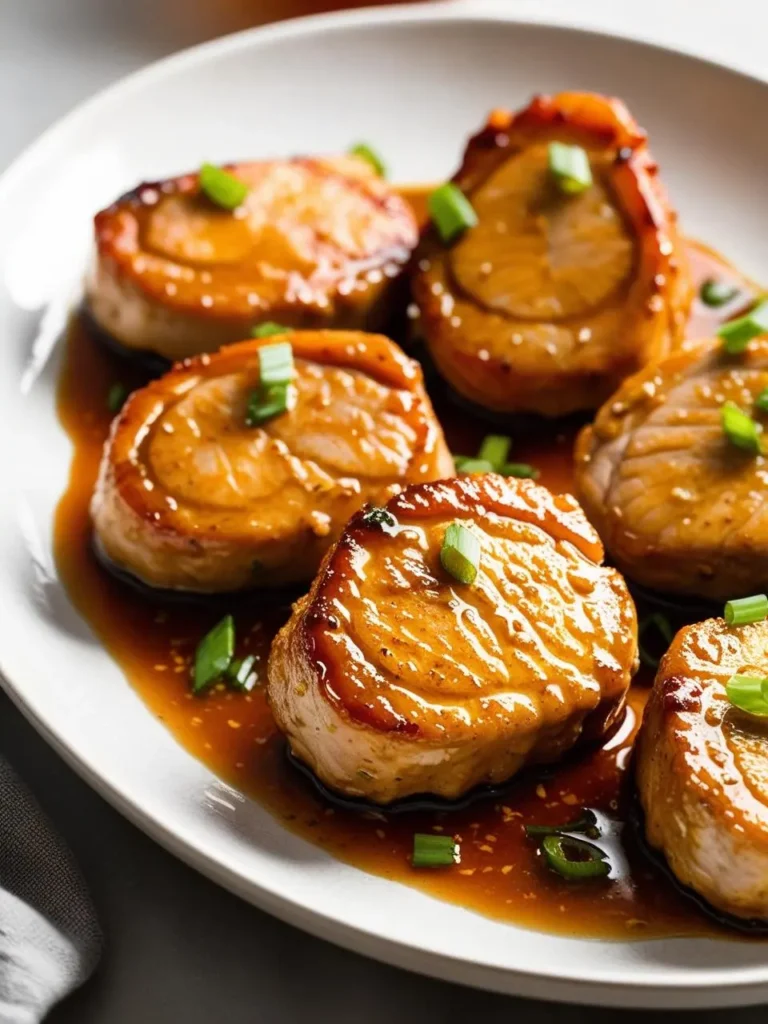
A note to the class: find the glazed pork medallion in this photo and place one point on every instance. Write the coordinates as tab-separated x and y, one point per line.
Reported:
186	265
702	764
465	630
672	471
555	268
240	469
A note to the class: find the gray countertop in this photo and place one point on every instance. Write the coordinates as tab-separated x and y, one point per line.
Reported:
178	947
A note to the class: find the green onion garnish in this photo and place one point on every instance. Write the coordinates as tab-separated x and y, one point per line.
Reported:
378	517
430	851
116	397
214	654
221	187
574	858
276	364
275	374
569	166
495	449
266	403
267	329
460	553
748	693
240	674
473	466
761	402
451	211
660	626
740	429
743	610
737	334
587	824
521	469
717	293
369	154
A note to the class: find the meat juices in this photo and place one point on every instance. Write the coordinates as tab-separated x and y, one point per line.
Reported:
702	770
189	497
316	243
678	507
551	300
392	678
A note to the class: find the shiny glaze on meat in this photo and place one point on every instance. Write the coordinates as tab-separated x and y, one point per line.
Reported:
316	243
551	300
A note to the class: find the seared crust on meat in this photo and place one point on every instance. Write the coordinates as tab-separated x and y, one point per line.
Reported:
702	767
551	300
190	497
678	507
316	243
391	678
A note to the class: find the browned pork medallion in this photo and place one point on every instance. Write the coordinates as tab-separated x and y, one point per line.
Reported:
311	243
573	275
702	767
240	469
674	488
466	630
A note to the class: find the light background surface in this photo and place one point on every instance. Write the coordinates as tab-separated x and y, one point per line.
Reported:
179	949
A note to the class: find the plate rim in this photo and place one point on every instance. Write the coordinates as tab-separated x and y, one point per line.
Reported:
738	986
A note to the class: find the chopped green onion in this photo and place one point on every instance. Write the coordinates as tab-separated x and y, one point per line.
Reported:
761	402
267	329
741	611
378	517
662	628
240	674
495	449
569	166
737	334
214	654
475	466
116	397
587	824
430	851
221	187
266	403
459	460
521	469
276	364
740	429
717	293
367	153
574	858
451	211
748	693
460	553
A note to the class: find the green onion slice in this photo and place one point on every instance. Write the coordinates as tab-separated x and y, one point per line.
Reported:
521	469
569	166
741	611
761	402
221	187
460	553
474	466
266	403
369	154
737	334
240	674
431	851
267	329
451	211
587	824
276	371
214	654
748	693
717	293
379	517
657	625
574	858
116	397
276	364
740	429
495	449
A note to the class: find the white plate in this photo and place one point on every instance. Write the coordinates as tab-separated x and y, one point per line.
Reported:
416	82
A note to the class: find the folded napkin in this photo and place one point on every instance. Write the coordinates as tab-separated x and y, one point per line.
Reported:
49	937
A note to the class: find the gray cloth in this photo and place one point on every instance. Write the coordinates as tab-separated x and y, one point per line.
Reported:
49	937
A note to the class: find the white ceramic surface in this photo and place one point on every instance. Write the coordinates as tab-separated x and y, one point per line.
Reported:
415	81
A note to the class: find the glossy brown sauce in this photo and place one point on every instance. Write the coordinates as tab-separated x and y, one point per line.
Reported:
500	873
